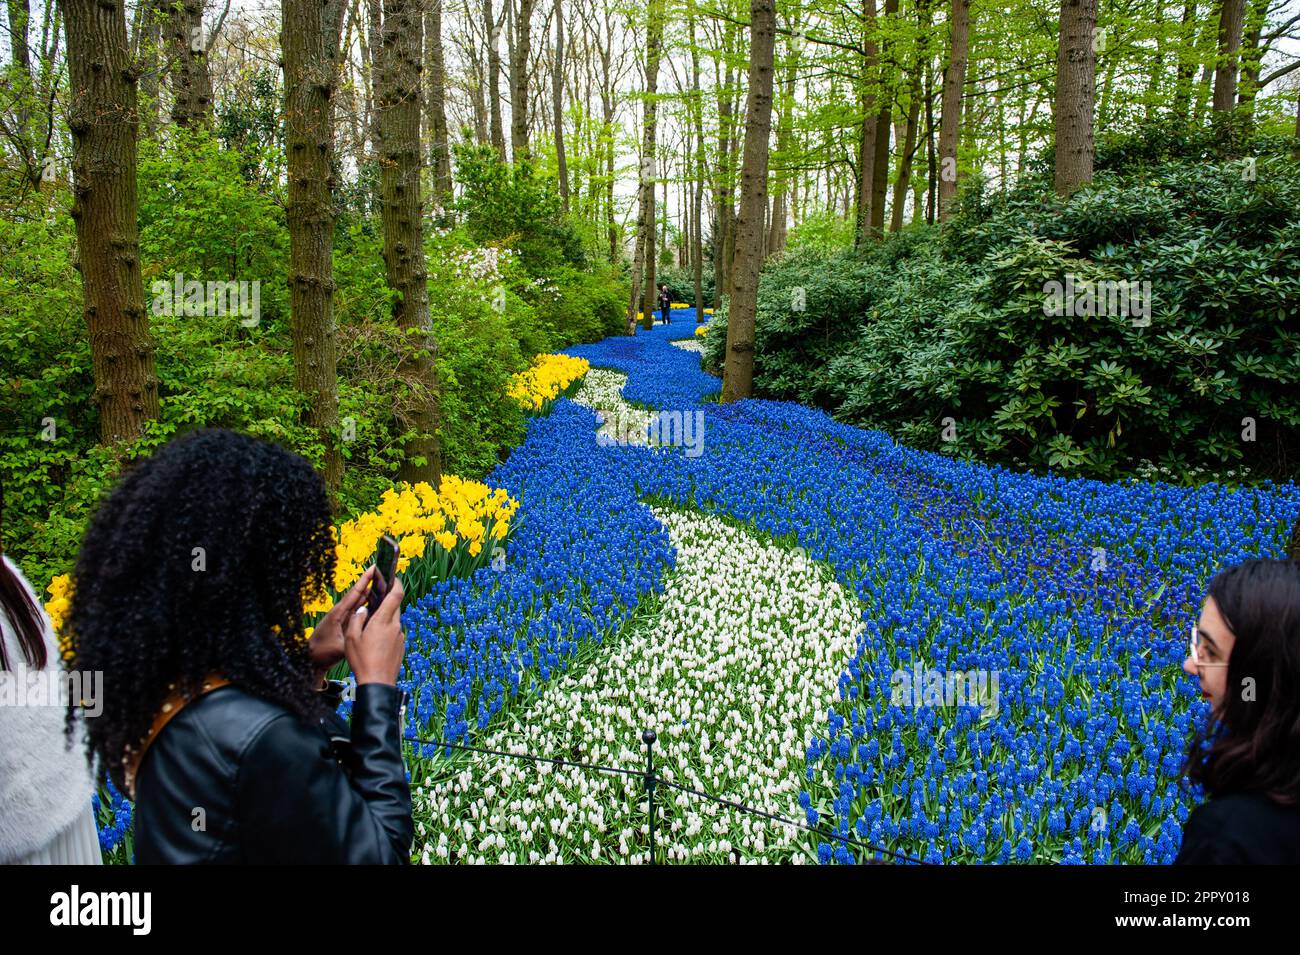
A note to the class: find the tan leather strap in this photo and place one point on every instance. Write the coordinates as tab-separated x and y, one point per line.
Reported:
170	707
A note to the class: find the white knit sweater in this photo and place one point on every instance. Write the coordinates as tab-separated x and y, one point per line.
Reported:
44	781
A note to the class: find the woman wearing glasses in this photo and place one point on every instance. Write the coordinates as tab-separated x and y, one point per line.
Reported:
1245	651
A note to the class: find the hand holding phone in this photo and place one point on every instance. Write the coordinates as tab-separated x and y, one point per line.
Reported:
385	569
375	644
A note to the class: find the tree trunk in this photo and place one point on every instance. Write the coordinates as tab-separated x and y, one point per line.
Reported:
970	120
612	221
397	92
478	100
870	115
1186	56
147	55
1204	91
646	218
733	158
906	151
439	147
519	81
20	57
582	192
557	97
884	122
724	215
697	249
1251	56
931	163
784	134
103	120
913	117
370	43
24	94
606	141
1107	85
188	58
353	106
1158	71
1225	69
635	304
1076	81
954	81
1295	147
795	207
309	40
492	28
738	376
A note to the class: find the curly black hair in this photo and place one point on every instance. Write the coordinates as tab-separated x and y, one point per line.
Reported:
197	563
1254	744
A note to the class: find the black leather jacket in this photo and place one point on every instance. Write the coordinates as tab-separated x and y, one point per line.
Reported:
234	778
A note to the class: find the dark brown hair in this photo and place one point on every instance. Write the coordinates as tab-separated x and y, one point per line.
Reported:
18	607
1253	744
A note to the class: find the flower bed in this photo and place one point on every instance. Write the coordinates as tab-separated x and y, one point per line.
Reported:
963	568
1076	594
549	377
735	667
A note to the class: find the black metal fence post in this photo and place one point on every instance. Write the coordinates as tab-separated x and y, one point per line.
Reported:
648	737
652	783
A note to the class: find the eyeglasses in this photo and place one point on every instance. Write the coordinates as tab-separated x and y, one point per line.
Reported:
1195	645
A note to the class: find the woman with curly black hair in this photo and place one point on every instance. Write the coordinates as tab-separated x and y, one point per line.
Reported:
1245	650
217	718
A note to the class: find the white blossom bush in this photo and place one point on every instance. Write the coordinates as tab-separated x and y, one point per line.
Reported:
483	264
733	672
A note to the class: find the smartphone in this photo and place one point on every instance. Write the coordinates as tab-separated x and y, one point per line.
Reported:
385	568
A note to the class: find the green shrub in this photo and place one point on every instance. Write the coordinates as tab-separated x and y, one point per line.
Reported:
480	345
509	204
822	231
953	322
202	219
587	307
